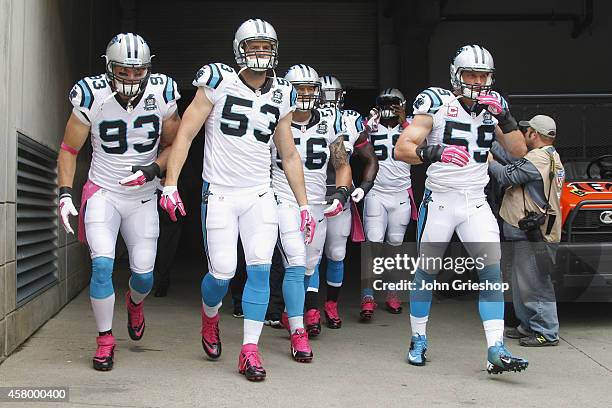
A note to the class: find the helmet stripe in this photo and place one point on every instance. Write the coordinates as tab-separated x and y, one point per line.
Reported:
256	25
129	46
475	53
135	46
484	61
263	25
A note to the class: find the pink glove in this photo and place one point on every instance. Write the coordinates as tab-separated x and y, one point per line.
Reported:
334	208
371	123
171	200
307	224
456	155
493	103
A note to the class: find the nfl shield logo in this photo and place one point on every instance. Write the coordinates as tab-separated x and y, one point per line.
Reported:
452	111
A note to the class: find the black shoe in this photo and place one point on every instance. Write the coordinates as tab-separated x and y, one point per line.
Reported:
537	340
238	313
515	333
161	290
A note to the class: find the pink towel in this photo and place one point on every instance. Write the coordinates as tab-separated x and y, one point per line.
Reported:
89	189
413	207
357	234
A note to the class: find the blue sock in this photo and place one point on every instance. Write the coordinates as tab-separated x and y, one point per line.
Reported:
335	272
313	281
213	289
491	301
256	292
293	290
101	283
140	286
420	299
367	292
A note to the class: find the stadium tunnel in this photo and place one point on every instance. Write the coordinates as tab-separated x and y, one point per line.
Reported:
543	51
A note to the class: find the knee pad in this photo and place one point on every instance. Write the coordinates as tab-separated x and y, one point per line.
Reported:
335	273
142	256
101	283
213	290
142	282
222	265
294	248
491	300
336	250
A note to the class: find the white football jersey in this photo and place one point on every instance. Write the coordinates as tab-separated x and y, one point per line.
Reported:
453	124
354	124
312	141
122	138
393	175
240	126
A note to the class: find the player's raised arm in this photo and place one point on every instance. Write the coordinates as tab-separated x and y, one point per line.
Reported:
170	128
75	135
292	163
506	131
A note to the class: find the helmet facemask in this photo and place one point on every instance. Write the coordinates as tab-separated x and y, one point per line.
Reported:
472	91
333	98
385	104
307	101
258	60
124	86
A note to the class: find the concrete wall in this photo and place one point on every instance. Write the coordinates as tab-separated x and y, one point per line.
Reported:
45	46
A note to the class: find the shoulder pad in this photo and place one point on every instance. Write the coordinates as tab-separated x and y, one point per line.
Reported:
430	100
83	93
211	75
166	85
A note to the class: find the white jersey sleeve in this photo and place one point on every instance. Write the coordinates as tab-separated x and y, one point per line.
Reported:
170	93
211	78
431	100
87	95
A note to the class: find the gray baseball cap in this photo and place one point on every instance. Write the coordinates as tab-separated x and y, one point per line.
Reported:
544	125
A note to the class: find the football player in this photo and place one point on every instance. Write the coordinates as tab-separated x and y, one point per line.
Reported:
129	113
319	136
243	113
339	227
388	208
459	127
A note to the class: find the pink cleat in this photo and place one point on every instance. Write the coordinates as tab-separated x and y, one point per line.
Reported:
331	315
211	341
136	320
249	363
393	303
312	319
300	347
367	308
103	359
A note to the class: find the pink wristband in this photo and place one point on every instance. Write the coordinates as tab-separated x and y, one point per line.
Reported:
405	124
69	149
360	145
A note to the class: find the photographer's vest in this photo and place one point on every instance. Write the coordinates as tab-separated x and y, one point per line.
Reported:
517	201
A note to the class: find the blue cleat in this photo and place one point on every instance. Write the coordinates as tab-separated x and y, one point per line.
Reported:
500	360
418	348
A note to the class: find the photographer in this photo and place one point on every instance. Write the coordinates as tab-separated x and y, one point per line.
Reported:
532	220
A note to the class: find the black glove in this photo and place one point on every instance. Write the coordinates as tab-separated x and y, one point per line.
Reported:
341	194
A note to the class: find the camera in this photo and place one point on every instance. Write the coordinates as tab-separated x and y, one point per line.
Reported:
531	224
